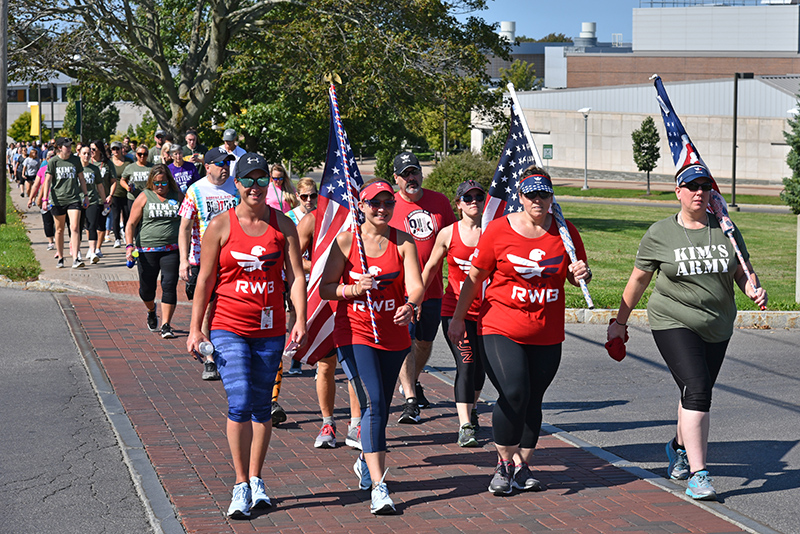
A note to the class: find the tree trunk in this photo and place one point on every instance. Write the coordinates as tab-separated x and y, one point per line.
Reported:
648	182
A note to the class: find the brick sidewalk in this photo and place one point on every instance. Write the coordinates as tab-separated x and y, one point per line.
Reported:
437	486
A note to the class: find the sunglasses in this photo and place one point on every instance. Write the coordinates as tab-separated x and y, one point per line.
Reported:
113	148
410	172
533	195
312	196
222	163
247	183
143	154
694	186
469	198
165	183
377	204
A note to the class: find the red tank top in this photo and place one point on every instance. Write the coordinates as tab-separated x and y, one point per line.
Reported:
459	260
249	287
353	326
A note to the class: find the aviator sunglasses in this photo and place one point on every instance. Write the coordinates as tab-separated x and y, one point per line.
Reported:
544	195
694	186
306	196
247	183
469	198
377	204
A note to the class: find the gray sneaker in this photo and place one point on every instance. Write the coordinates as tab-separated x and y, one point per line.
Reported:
678	463
326	439
466	436
501	481
700	487
523	479
353	438
210	371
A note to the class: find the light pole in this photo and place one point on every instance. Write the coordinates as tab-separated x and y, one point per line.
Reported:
585	112
736	76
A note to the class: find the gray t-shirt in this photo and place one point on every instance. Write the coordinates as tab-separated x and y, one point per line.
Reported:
695	280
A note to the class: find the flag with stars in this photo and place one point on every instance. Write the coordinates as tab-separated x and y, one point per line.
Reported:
516	157
332	217
683	150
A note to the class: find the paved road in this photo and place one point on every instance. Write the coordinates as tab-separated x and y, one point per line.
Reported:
628	409
62	469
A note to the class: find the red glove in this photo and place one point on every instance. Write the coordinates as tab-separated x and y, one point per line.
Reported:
616	347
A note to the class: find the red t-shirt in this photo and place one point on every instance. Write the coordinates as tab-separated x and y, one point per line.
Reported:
525	299
423	220
249	286
352	325
459	260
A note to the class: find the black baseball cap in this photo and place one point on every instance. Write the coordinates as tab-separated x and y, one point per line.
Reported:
467	186
61	141
405	160
251	162
215	155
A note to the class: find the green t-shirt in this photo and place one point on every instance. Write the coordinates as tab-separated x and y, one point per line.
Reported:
65	186
108	175
137	175
695	280
160	221
120	192
92	176
154	155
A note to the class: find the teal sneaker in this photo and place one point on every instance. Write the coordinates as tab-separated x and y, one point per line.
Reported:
678	463
700	487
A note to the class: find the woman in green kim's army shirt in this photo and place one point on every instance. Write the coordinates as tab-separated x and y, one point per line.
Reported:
134	177
63	185
691	313
97	194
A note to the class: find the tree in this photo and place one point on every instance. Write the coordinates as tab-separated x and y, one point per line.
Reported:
173	55
521	74
791	191
646	151
493	145
549	38
98	115
20	129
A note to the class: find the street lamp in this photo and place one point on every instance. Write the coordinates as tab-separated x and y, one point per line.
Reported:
736	76
585	112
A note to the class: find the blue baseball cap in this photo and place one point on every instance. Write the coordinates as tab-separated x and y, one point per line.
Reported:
692	172
535	182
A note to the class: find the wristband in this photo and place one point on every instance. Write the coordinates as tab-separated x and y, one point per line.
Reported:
344	287
129	246
353	291
621	324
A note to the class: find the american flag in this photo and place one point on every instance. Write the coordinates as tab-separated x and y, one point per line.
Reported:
332	217
516	157
682	148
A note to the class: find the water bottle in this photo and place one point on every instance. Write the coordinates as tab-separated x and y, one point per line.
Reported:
130	263
206	348
106	210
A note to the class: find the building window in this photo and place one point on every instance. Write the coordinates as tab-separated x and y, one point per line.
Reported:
16	95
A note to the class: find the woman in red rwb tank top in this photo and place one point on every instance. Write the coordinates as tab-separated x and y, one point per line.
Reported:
521	320
457	243
371	367
244	252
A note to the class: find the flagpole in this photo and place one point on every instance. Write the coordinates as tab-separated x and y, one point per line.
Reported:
351	203
557	214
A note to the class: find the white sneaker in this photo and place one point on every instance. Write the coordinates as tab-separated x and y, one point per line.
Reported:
99	253
241	501
93	258
259	494
381	502
117	243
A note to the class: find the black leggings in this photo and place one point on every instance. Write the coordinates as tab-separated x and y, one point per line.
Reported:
150	263
694	364
95	220
119	209
468	355
49	224
521	374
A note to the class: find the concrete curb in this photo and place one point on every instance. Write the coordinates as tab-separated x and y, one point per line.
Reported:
719	510
744	319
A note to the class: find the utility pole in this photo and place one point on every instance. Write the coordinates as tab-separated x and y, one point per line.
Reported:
3	105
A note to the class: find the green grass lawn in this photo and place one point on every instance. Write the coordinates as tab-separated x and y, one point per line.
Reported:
17	260
611	235
658	195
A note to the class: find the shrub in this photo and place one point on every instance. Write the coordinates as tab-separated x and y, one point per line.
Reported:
457	168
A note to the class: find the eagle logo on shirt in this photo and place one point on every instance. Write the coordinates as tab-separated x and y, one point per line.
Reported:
379	281
534	265
256	260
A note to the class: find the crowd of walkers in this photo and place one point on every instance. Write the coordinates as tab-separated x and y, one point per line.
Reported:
240	234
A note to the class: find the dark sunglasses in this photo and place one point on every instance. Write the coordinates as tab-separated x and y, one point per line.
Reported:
377	204
222	163
694	186
312	196
165	183
141	153
544	195
113	148
247	183
469	198
410	172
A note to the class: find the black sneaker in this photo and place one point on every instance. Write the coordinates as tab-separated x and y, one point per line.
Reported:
167	332
59	263
210	371
278	414
410	413
152	321
523	479
501	481
422	402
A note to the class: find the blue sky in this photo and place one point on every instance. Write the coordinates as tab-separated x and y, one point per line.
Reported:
537	18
